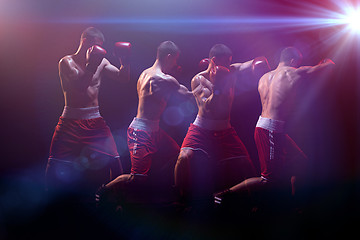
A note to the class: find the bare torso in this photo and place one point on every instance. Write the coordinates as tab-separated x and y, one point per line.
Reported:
277	92
213	104
79	90
154	89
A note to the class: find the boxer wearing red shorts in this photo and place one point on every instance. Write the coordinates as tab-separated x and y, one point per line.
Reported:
211	133
223	147
281	160
83	150
153	153
155	86
146	141
276	150
277	90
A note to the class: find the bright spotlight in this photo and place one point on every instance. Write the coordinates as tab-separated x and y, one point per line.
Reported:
353	19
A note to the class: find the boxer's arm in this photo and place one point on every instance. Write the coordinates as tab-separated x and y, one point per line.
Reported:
120	74
308	71
240	67
201	88
175	87
184	91
257	64
122	51
323	65
196	86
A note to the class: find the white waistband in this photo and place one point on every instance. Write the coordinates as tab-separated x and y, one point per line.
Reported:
271	124
210	124
145	124
81	113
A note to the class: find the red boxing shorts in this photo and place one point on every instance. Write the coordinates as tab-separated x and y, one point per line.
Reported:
218	145
74	138
82	150
152	150
229	160
278	153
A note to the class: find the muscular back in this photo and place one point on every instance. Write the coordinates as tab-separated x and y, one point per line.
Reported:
80	88
154	89
277	88
277	91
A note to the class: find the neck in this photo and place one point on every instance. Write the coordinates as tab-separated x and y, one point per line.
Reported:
159	65
81	51
211	65
282	64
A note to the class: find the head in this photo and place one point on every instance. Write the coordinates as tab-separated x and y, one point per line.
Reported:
91	36
168	54
291	56
221	55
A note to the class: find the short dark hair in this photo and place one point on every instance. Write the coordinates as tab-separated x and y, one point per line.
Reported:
290	53
220	50
165	48
92	33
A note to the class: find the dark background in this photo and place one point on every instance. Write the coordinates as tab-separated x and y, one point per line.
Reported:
35	35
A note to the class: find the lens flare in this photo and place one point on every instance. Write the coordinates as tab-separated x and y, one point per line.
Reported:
353	19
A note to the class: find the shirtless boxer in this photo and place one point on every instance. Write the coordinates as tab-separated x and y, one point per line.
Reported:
222	158
153	152
83	153
281	160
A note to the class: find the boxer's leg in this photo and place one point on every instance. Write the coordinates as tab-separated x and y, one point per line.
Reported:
298	161
111	195
182	172
116	168
272	156
61	177
299	167
233	170
164	160
195	175
141	146
243	190
233	161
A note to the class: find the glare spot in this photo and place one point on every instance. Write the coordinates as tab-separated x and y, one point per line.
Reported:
173	116
188	108
353	19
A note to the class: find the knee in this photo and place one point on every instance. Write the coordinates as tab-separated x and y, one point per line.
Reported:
185	154
182	168
118	182
184	158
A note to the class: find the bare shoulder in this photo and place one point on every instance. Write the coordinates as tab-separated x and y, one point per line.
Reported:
199	78
158	80
147	74
288	70
68	59
289	75
196	79
67	64
150	73
165	78
143	77
267	77
285	72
